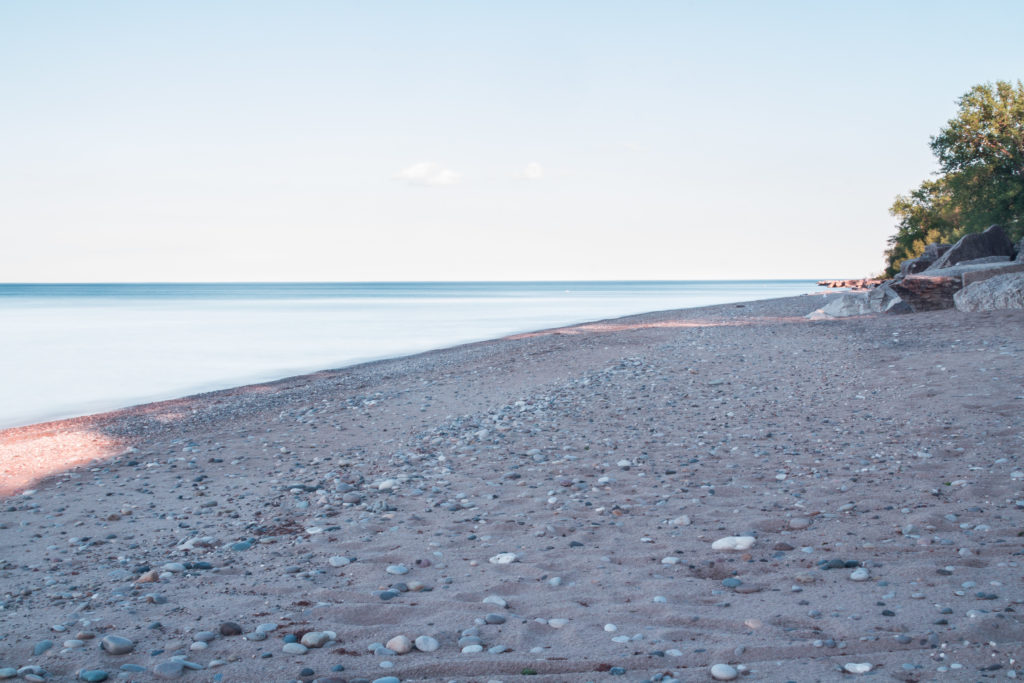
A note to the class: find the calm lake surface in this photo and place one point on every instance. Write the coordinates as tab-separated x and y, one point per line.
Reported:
73	349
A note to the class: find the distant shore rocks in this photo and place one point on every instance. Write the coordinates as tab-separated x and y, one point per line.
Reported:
944	276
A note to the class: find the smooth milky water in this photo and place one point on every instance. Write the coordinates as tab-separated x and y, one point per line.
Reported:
70	349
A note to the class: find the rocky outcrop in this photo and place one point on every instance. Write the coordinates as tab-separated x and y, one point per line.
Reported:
932	280
857	284
991	242
995	293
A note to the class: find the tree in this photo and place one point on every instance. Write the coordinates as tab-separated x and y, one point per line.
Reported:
981	177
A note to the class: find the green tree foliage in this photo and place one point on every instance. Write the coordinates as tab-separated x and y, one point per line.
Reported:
981	177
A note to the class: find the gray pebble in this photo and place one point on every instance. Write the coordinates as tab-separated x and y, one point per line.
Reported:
117	645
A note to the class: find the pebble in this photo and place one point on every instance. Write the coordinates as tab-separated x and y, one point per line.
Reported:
315	639
857	668
504	558
733	543
230	628
400	644
169	669
495	600
860	574
557	623
117	645
93	675
426	644
294	649
723	672
41	647
338	561
398	569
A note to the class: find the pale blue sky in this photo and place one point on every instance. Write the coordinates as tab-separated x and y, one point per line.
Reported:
182	141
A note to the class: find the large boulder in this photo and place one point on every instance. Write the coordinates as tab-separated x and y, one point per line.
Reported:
926	292
992	242
931	254
843	306
883	299
996	293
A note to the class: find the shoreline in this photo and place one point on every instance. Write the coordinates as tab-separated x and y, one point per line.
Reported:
58	381
127	409
372	501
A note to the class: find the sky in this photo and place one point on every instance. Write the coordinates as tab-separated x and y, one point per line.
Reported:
385	141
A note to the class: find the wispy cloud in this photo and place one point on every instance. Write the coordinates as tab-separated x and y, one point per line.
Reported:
429	174
533	171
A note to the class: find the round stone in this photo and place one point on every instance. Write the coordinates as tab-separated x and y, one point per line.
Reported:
723	672
338	561
170	670
733	543
117	645
860	574
294	649
426	644
315	639
93	675
400	644
857	668
472	649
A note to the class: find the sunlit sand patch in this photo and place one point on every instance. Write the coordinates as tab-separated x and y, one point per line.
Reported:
660	324
26	462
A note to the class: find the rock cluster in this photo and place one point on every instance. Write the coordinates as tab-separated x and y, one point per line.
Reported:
935	279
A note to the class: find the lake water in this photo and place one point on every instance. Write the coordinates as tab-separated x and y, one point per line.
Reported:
73	349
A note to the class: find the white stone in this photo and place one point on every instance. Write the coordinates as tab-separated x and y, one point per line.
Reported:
723	672
557	623
338	561
860	574
399	644
855	668
733	543
426	644
671	559
387	485
504	558
495	600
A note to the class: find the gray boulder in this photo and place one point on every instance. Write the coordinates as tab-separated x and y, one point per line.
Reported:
843	306
931	254
996	293
878	300
883	299
992	242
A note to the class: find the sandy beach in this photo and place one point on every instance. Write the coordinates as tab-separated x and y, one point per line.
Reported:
546	507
